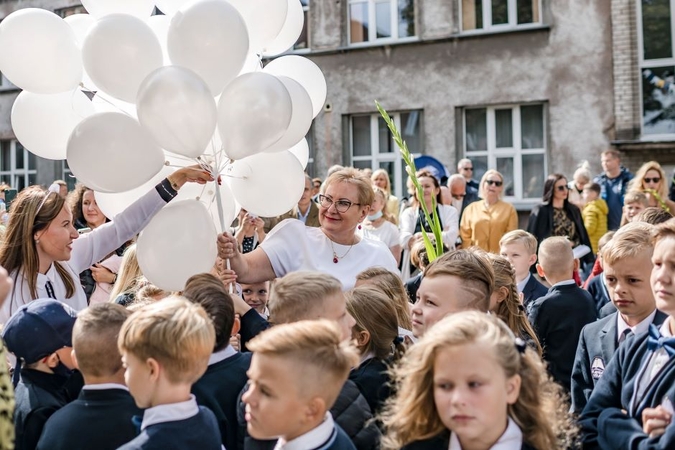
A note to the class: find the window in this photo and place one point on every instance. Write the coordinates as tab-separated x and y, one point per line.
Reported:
69	11
17	165
67	176
303	41
657	65
372	146
374	20
512	140
499	14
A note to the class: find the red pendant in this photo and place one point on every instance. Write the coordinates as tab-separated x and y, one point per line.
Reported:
335	260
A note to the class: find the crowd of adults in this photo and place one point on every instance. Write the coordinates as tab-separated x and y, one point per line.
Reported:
314	323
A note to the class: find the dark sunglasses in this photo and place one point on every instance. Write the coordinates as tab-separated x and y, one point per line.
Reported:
562	187
468	168
652	180
494	182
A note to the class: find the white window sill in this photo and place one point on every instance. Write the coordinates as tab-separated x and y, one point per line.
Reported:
383	41
502	29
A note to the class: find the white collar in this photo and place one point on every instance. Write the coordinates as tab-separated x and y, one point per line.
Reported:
565	283
665	328
641	327
103	386
302	216
314	438
521	285
222	355
512	439
172	412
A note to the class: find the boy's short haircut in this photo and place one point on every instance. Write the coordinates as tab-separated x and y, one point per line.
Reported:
300	295
595	187
176	333
635	197
316	349
520	236
475	271
611	152
150	292
95	339
605	239
653	215
556	256
665	230
208	291
631	240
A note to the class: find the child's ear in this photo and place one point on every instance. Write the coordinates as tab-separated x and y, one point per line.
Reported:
52	360
235	326
513	389
362	338
153	368
74	358
577	263
316	409
532	260
540	271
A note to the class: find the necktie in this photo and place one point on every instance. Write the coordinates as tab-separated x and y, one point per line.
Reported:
625	335
655	341
50	290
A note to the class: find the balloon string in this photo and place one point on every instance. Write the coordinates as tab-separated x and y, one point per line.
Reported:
231	288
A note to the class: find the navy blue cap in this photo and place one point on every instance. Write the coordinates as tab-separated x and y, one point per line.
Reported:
38	329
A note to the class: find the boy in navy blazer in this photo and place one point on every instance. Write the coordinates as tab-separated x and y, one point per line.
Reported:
631	405
520	248
218	389
101	416
296	375
627	261
559	316
165	348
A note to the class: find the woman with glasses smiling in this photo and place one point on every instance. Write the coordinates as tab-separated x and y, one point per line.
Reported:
335	247
651	180
485	222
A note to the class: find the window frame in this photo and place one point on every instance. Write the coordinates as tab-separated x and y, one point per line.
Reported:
14	173
305	13
487	18
372	19
375	157
516	151
650	64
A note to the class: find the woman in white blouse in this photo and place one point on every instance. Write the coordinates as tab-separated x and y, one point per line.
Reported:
44	254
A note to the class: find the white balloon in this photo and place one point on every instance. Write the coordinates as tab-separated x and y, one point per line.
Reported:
171	7
304	72
139	8
267	184
206	194
111	204
43	122
254	111
290	32
176	107
111	152
39	52
105	103
180	241
119	52
80	24
301	151
160	26
210	38
301	118
264	20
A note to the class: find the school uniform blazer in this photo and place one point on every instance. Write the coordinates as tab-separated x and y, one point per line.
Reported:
533	290
252	324
373	380
442	442
558	318
218	389
99	419
597	345
337	441
604	425
596	287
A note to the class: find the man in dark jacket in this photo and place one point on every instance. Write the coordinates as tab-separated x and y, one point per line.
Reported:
613	181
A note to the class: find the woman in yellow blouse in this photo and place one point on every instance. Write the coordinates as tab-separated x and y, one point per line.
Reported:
486	221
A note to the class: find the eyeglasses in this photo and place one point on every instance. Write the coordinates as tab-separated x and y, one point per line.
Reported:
467	168
562	187
494	182
652	180
342	206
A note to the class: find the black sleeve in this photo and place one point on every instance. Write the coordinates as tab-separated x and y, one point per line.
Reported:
166	191
33	426
252	324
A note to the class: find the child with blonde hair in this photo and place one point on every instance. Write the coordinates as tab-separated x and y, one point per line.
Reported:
165	348
633	204
296	374
376	337
469	383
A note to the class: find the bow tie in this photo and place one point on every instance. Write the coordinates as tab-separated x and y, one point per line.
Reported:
655	341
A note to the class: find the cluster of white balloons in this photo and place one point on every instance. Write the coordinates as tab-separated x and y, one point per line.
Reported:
163	92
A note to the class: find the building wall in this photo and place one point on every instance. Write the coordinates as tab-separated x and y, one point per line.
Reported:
567	63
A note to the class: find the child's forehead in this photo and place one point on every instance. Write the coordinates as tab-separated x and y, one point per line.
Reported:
514	246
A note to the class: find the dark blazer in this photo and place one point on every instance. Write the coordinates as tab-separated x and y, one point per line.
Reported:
598	290
38	396
604	425
252	324
540	225
372	379
218	389
470	196
98	419
558	318
412	286
197	432
337	441
442	442
533	290
597	345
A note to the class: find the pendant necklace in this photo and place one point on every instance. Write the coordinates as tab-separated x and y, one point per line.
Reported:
337	258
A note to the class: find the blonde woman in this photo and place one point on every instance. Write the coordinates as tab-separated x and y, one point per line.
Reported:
651	179
485	222
129	279
380	178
